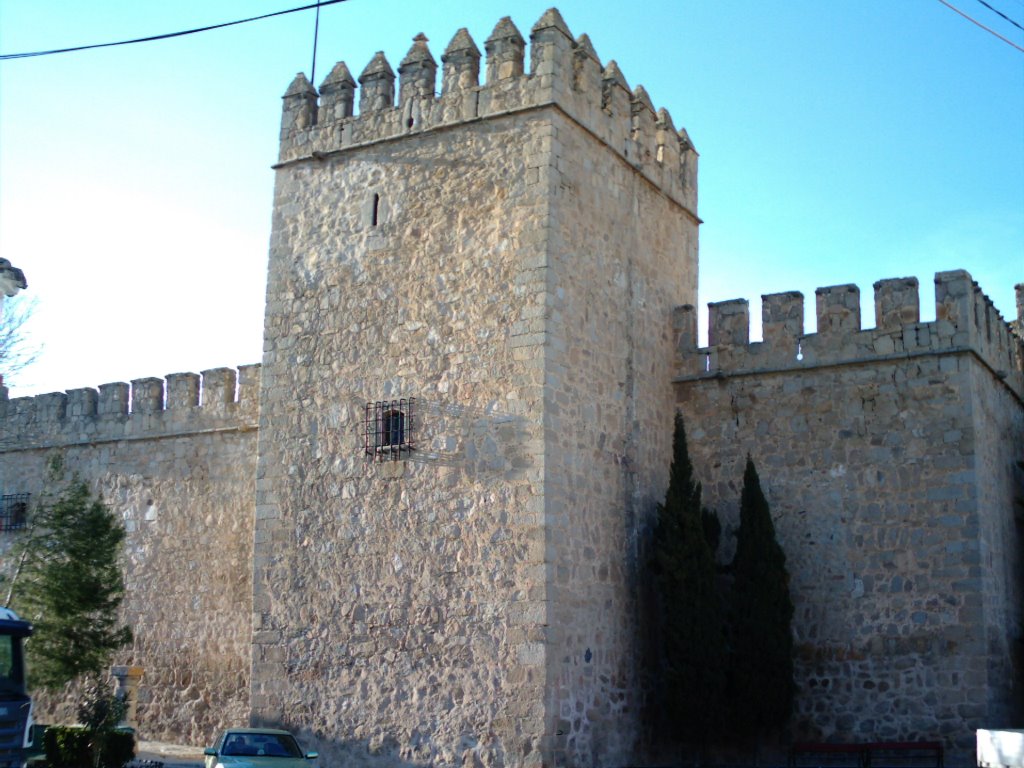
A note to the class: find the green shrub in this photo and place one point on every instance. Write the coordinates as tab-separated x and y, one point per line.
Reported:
119	749
71	747
67	747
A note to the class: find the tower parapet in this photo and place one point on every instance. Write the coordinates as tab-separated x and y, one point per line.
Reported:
184	403
965	321
563	72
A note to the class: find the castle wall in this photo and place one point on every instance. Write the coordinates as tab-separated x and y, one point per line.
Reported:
182	479
508	254
886	455
622	255
500	262
999	429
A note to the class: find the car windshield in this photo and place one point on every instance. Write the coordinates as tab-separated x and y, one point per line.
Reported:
260	745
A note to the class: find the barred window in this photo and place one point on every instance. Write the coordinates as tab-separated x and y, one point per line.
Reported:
393	432
13	511
389	428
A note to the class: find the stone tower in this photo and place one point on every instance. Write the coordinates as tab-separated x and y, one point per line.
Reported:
466	383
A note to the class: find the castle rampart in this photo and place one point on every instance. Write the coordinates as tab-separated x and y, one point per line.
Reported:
564	72
186	403
176	461
888	456
966	323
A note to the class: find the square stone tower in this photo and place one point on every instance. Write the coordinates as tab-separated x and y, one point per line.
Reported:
466	403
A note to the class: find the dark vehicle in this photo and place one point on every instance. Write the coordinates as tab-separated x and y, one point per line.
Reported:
15	704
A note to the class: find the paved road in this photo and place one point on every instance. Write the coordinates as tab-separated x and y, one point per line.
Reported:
171	755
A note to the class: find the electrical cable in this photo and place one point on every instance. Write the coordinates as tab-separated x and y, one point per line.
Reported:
316	35
975	21
1000	13
151	38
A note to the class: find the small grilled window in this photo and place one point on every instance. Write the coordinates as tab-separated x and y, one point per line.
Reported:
13	511
393	432
389	429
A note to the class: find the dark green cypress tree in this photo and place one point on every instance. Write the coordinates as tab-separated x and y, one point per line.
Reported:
691	650
762	612
712	529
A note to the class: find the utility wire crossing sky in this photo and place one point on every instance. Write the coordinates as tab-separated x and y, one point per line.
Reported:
324	3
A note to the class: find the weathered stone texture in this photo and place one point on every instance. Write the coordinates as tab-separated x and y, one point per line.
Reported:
998	423
400	607
512	255
183	482
509	255
891	480
622	254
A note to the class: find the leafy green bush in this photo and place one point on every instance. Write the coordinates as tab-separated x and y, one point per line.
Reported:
67	747
119	749
71	747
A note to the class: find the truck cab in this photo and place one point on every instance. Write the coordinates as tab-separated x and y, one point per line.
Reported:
15	703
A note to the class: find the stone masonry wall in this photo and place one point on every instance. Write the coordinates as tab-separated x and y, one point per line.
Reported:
622	255
886	455
999	427
181	475
396	603
480	252
507	254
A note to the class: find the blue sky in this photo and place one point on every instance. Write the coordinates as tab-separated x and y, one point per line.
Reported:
841	141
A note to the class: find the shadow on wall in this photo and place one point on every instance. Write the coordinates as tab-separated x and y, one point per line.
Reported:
481	442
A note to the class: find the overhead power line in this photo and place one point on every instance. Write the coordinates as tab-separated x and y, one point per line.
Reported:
316	35
151	38
987	29
1000	13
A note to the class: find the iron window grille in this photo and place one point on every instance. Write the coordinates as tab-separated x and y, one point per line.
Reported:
13	512
389	429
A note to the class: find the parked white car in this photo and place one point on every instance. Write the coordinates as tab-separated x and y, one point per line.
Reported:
257	748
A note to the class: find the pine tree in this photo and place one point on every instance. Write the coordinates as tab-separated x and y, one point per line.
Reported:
762	612
71	586
691	658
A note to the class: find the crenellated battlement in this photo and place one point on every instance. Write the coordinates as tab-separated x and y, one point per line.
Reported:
563	71
966	320
181	404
